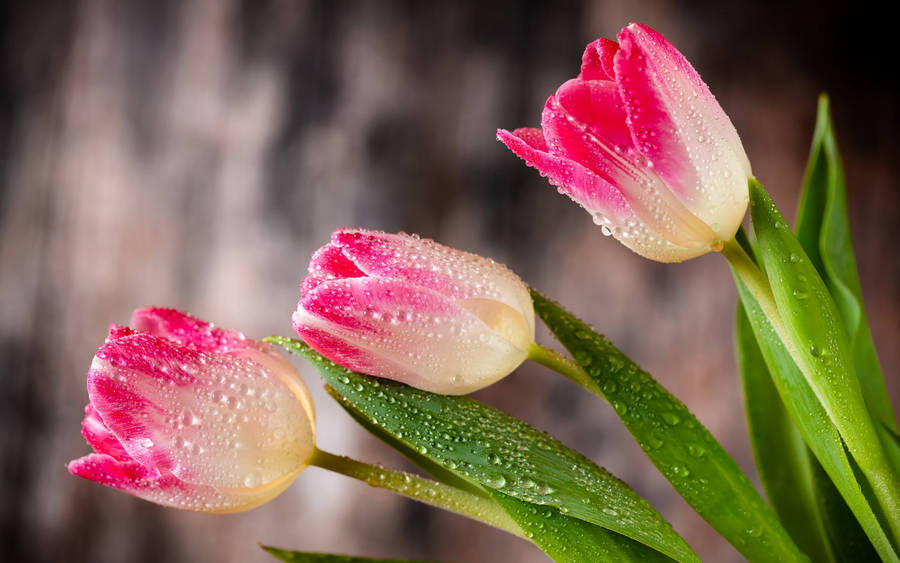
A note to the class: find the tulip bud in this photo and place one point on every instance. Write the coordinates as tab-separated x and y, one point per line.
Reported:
191	416
640	142
412	310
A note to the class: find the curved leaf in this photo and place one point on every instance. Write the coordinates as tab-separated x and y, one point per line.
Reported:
817	343
823	229
678	445
819	433
571	540
804	497
486	446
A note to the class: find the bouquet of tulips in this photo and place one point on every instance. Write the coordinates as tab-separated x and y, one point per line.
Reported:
196	417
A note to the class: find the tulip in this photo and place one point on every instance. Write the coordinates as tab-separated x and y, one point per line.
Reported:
191	416
412	310
640	142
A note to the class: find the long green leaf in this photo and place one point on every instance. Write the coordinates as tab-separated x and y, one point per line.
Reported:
570	540
817	342
564	539
784	463
423	461
289	556
492	449
820	435
823	228
678	445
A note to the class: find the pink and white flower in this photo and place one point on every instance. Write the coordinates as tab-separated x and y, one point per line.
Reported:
412	310
640	142
191	416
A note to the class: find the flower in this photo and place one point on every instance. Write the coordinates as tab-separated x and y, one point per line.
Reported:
412	310
191	416
640	142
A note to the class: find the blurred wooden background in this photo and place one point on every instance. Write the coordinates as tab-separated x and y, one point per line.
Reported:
193	154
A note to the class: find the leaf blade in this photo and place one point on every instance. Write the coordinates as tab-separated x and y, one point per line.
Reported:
823	229
469	438
570	540
813	422
816	340
783	462
674	440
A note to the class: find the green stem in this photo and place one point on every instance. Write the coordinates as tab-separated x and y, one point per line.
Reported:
758	285
420	489
561	365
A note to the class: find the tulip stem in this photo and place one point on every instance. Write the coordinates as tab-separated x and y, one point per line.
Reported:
562	365
758	285
421	489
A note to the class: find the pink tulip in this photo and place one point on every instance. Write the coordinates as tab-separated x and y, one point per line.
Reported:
191	416
412	310
640	142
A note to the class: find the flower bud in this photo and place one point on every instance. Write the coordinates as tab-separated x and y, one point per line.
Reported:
640	142
191	416
412	310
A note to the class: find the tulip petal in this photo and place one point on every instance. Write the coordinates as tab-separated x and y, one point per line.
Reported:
597	196
585	122
329	263
597	61
187	330
408	333
100	437
166	489
585	187
678	125
205	418
425	263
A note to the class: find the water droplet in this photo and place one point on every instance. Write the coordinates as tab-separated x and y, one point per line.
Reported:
544	489
671	418
496	482
681	471
253	479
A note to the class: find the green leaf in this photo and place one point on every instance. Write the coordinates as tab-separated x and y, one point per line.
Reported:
572	540
782	459
424	462
817	342
820	435
823	229
289	556
797	486
492	449
678	445
562	538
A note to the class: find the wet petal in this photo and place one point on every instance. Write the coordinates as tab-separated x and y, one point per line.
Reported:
166	489
597	60
679	126
187	330
427	264
206	418
390	328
